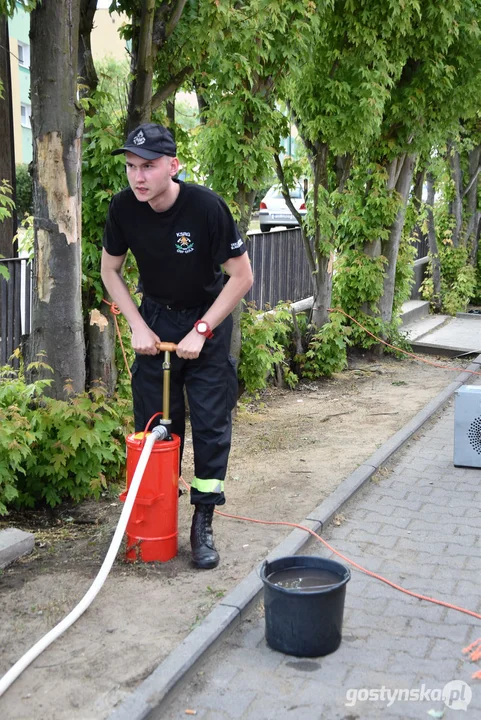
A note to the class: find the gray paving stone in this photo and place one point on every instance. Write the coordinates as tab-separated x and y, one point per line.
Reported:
457	543
419	648
447	526
355	602
268	707
405	606
233	705
375	539
364	677
442	669
415	627
395	521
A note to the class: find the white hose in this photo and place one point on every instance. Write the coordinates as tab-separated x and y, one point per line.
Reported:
87	599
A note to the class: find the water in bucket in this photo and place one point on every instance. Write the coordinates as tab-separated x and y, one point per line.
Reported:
303	579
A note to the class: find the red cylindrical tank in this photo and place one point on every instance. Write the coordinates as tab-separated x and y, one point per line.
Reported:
152	527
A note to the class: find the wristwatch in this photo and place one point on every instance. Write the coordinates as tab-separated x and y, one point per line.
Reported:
203	328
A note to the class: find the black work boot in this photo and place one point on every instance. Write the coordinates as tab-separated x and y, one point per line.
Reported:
204	554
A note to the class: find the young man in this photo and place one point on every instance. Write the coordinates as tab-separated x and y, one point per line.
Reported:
180	235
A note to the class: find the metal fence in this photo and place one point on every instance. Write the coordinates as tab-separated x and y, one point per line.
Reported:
281	271
279	263
15	306
420	241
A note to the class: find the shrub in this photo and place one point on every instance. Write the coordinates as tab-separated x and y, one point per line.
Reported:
458	279
55	450
268	344
326	353
264	342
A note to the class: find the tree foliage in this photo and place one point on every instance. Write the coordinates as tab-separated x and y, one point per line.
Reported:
242	124
379	92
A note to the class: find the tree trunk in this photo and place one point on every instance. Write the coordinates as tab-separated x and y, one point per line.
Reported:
7	152
322	292
57	131
322	276
456	205
319	263
244	199
433	245
101	355
87	75
202	104
400	177
140	97
170	111
418	189
472	210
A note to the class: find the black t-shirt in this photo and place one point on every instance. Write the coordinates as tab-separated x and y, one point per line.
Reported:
179	251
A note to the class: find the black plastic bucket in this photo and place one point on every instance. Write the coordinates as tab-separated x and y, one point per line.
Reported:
306	623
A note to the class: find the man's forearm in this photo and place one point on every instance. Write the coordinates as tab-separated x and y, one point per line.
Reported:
120	294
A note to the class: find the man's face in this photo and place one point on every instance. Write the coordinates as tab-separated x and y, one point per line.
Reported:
150	179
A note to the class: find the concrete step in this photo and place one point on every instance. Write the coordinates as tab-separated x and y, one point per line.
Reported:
458	336
13	544
414	310
417	329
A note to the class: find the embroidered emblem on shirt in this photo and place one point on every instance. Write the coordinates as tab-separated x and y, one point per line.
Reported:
184	243
238	244
139	139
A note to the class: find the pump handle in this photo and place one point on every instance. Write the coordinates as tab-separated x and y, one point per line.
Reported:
166	347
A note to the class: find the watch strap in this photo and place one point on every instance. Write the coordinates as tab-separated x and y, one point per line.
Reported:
207	332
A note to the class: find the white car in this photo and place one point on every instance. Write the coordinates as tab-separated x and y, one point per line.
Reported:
273	210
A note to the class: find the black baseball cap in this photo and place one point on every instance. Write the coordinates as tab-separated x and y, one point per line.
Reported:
149	141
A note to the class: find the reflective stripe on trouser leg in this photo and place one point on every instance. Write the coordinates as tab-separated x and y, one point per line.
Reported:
208	486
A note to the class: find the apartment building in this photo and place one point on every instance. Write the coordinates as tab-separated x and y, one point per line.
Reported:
105	41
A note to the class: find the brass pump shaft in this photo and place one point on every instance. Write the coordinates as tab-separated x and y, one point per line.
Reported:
167	348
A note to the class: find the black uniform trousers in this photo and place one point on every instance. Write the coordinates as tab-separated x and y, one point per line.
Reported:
211	385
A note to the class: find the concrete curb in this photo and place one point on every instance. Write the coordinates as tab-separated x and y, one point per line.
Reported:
147	699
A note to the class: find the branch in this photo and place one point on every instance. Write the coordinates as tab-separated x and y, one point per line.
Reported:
345	163
285	191
170	87
472	181
401	160
297	333
174	18
301	130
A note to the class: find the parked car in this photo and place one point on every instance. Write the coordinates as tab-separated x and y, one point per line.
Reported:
273	210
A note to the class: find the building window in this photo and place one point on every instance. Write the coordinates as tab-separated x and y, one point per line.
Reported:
24	54
25	112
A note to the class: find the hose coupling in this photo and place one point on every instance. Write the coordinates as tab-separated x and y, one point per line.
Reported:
161	432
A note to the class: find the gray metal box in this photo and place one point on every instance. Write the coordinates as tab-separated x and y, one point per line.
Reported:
467	426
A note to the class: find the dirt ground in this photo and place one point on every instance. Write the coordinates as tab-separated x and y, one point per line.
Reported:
291	450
